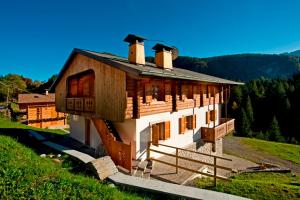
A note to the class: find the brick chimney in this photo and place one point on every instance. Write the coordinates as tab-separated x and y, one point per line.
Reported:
136	53
163	56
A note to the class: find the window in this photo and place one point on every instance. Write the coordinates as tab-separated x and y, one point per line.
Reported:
211	116
187	122
81	85
191	122
160	131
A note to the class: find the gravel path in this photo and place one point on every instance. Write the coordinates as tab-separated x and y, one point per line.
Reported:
235	146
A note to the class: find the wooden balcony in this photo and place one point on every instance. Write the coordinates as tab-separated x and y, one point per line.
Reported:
212	134
81	104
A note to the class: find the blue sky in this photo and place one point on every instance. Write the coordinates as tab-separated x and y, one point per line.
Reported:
36	37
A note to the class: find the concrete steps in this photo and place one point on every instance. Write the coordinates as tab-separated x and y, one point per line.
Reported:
142	169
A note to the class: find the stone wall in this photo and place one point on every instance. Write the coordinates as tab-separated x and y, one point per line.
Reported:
203	147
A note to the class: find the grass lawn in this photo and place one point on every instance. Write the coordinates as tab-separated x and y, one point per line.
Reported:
263	185
283	150
7	124
25	175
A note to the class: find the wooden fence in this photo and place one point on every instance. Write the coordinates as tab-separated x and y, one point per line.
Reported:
120	152
178	157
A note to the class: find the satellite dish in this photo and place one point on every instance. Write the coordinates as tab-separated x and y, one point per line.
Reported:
175	53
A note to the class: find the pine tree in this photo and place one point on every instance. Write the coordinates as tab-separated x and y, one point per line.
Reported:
249	110
243	125
274	131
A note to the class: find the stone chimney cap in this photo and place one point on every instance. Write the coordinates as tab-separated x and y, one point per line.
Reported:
160	47
130	38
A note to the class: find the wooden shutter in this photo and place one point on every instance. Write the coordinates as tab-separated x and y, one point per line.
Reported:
182	125
148	92
213	115
73	87
155	134
194	122
167	130
208	117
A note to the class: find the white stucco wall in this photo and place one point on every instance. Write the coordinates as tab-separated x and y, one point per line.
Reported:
95	140
77	128
143	130
138	131
77	132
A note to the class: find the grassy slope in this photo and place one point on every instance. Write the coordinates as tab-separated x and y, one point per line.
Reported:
261	185
285	151
7	124
258	186
24	174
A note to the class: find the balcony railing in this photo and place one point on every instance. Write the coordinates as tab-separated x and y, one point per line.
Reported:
81	104
212	134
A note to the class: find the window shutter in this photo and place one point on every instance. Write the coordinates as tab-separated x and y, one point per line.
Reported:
182	125
213	115
194	122
148	92
167	130
155	134
208	117
73	87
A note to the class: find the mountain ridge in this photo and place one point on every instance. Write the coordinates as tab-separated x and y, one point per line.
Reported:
241	67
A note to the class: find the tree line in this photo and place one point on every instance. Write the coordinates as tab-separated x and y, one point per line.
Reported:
13	84
267	109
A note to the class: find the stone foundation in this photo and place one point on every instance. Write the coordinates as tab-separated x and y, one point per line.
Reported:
203	147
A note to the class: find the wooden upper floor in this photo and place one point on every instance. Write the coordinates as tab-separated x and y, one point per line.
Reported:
108	87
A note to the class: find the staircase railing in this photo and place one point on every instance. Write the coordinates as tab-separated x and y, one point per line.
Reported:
120	152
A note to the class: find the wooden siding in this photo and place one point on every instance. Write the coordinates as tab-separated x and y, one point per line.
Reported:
225	127
176	96
110	89
44	116
148	105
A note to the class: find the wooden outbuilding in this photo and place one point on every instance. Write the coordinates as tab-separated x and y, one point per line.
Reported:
40	111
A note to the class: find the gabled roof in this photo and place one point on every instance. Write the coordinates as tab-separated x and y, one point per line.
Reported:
36	98
149	69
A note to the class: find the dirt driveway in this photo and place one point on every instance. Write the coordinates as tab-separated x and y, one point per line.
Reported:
235	146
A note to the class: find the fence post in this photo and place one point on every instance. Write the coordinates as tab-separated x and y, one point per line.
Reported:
176	160
215	171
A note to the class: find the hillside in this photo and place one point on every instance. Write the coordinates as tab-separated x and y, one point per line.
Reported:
242	67
294	53
26	175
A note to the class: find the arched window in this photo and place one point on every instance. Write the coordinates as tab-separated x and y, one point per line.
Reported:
81	85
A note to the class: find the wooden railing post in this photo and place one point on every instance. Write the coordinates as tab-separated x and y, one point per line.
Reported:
148	150
176	160
215	171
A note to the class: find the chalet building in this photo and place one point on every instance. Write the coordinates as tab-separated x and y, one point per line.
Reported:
40	111
121	104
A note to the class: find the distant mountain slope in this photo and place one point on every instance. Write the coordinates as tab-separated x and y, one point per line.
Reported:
294	53
242	67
